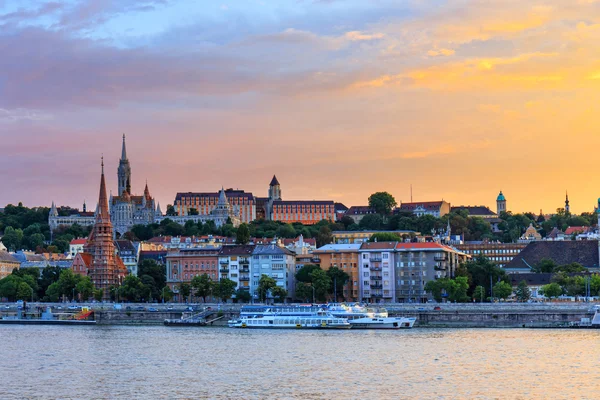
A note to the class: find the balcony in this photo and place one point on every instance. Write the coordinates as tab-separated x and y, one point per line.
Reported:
439	268
441	258
375	268
244	269
315	260
224	262
377	295
375	278
376	286
244	279
224	270
244	261
375	259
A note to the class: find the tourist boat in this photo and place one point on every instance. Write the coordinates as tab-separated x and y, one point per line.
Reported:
317	320
361	317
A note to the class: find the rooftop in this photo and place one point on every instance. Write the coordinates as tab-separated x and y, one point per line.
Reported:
338	247
584	252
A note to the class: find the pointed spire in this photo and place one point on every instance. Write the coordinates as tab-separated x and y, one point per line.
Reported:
222	197
103	213
158	210
274	181
53	210
124	150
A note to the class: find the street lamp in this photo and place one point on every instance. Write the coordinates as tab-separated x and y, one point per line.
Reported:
73	296
313	288
163	295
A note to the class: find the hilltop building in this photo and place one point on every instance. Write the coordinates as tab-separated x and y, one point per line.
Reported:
500	203
83	218
436	208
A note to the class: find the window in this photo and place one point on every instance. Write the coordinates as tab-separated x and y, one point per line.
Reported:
366	283
385	256
366	274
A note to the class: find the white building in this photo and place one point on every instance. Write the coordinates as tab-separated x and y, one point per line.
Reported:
274	261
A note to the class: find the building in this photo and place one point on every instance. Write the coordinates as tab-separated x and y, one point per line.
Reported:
340	211
72	217
7	264
234	264
184	264
358	212
299	245
530	234
376	272
242	203
354	237
418	263
99	259
346	258
220	213
584	252
127	209
276	262
500	203
534	282
129	254
435	208
477	211
498	253
76	246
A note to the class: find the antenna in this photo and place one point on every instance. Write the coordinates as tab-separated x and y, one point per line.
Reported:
411	199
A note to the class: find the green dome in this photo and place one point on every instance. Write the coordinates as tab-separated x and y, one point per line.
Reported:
502	198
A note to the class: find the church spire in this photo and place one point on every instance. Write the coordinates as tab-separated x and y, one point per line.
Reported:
124	150
567	206
103	214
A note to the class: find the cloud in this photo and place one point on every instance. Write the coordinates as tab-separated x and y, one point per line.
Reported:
440	52
360	36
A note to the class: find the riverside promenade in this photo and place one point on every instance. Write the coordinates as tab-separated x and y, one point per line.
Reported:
442	315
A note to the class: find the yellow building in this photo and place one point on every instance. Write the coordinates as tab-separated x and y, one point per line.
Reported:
7	264
344	257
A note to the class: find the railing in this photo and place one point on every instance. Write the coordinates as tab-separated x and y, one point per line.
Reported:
244	279
439	268
223	261
375	268
244	269
375	259
376	286
440	258
224	270
244	261
315	260
376	278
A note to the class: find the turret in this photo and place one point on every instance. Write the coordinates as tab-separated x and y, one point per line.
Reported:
53	211
567	206
124	171
500	203
274	189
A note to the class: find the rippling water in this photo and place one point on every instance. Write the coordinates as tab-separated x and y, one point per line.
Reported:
48	362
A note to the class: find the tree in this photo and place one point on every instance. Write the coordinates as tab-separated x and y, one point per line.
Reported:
98	294
502	290
304	292
242	236
303	274
546	265
132	289
321	282
347	221
551	290
382	202
167	294
479	294
193	211
286	231
242	296
171	210
338	279
385	237
203	286
184	291
523	292
324	237
85	288
279	293
265	284
371	221
570	268
224	289
154	276
12	238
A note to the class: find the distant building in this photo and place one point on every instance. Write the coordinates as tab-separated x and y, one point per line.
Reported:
498	253
83	218
376	272
219	214
358	212
346	258
534	282
185	264
435	208
276	262
477	211
76	246
7	264
340	210
129	254
584	252
531	234
500	203
243	204
234	264
354	237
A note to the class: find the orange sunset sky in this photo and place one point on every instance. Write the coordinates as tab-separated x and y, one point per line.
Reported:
339	99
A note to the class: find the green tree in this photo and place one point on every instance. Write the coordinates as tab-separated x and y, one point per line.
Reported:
338	279
154	276
382	202
265	284
303	274
385	237
324	236
304	292
203	286
479	294
132	289
570	268
166	294
85	288
193	211
435	288
551	290
279	293
171	210
242	236
184	291
286	231
242	296
12	238
224	289
546	265
502	290
98	294
321	282
371	221
523	292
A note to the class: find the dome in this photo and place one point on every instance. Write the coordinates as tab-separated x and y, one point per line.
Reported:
502	198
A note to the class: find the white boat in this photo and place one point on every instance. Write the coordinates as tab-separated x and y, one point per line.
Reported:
382	323
317	320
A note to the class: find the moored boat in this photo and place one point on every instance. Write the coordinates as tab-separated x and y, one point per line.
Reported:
382	323
317	320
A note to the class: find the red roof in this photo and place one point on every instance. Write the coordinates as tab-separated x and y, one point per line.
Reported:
575	229
422	246
75	242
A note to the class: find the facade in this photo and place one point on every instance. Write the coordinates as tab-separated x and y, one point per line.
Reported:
584	252
531	234
185	264
500	203
277	262
242	203
436	208
7	264
377	272
418	263
129	254
234	264
534	282
498	253
358	212
354	237
346	258
83	218
477	211
219	213
105	267
76	246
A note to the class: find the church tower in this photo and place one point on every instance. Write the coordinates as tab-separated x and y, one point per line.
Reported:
124	172
106	268
274	189
500	203
567	206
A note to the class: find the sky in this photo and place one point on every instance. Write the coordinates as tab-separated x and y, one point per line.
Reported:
339	99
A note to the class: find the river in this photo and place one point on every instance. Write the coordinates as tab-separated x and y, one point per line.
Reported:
155	362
